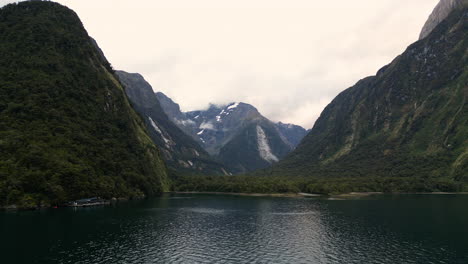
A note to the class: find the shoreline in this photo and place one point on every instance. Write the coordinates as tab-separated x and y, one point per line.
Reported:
290	195
342	196
297	195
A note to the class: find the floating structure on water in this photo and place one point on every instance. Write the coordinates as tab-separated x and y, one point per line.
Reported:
86	202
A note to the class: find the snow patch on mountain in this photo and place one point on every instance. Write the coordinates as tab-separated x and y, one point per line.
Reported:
155	126
233	106
167	141
263	146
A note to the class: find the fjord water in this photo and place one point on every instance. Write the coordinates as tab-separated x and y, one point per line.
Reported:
233	229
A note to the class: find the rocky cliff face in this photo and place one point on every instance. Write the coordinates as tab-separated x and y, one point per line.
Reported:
411	119
180	151
172	109
236	134
239	136
441	11
218	124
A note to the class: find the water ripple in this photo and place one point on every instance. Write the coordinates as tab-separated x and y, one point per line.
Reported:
247	230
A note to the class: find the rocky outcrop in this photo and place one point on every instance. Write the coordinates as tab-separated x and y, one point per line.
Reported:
441	11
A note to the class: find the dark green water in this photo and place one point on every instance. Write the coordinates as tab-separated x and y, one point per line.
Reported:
229	229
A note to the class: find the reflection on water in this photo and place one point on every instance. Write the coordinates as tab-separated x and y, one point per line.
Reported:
229	229
204	210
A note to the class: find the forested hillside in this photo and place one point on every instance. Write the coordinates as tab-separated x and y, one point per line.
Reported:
67	130
410	120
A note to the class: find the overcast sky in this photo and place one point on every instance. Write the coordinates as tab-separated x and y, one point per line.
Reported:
289	58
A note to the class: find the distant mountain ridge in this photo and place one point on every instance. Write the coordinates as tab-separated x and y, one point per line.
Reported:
236	133
180	151
293	134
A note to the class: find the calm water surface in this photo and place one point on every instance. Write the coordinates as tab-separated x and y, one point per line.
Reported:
230	229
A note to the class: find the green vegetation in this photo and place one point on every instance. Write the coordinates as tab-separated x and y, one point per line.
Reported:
249	184
178	148
403	130
67	130
409	120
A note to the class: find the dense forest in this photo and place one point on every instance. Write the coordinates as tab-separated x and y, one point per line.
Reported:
326	186
409	120
403	130
67	130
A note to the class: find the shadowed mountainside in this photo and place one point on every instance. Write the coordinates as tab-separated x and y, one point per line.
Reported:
67	129
181	152
411	119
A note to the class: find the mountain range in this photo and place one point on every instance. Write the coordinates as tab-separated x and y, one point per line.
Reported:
72	127
222	140
181	152
236	134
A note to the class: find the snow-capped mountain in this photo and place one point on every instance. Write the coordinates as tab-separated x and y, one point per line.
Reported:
236	133
217	125
180	151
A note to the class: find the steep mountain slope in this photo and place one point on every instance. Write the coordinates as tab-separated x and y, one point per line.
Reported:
292	133
67	130
180	151
256	145
179	118
441	11
411	119
237	134
240	136
219	124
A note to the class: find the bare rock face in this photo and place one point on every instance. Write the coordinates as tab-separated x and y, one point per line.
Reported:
236	133
441	11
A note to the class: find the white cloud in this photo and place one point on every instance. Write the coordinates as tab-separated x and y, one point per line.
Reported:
288	58
207	126
186	122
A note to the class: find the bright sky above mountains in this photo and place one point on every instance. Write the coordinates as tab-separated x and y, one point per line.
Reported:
288	58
